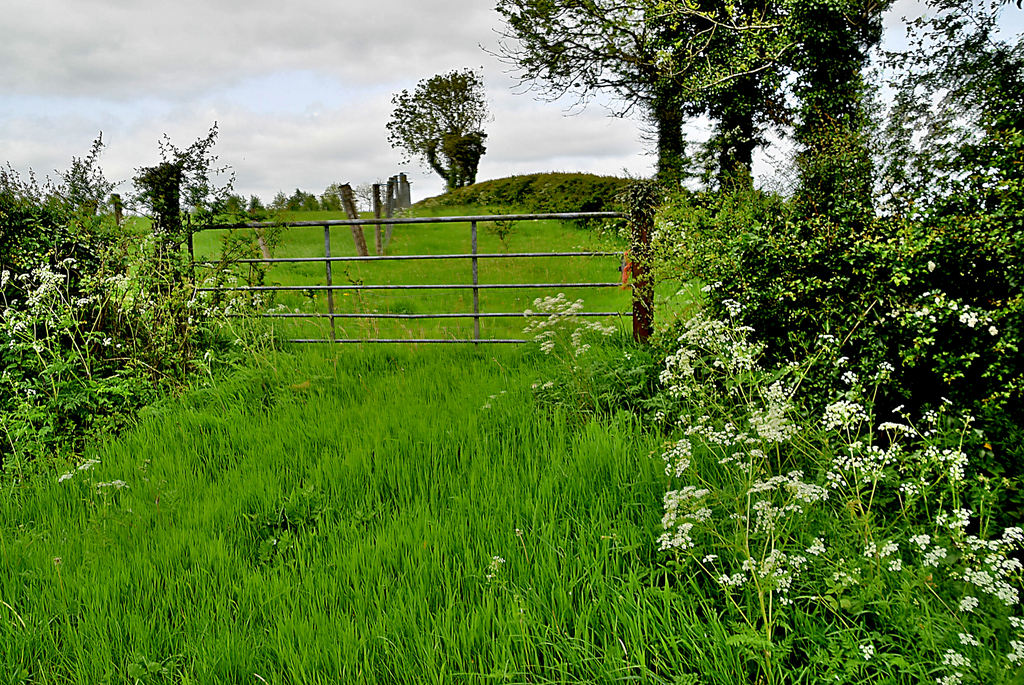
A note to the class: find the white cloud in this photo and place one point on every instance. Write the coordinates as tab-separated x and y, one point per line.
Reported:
174	48
301	91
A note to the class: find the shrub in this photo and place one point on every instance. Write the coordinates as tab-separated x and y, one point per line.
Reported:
96	320
937	297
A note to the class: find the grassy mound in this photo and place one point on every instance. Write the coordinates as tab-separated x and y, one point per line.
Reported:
547	192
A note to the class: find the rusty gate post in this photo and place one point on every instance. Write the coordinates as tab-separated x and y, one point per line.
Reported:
642	199
643	287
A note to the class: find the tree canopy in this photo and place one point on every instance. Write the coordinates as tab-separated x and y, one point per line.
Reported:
441	123
670	58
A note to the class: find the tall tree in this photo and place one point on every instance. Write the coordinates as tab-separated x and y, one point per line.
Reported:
668	58
834	39
441	123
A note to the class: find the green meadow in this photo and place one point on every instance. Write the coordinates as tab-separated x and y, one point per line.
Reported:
360	513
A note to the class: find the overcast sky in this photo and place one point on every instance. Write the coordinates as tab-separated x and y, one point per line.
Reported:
300	90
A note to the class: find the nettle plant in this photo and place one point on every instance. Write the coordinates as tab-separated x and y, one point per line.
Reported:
845	546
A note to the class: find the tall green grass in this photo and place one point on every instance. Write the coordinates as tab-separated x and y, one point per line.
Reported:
334	516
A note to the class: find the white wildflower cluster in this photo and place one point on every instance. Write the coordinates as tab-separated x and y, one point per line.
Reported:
936	305
884	372
724	437
771	421
708	343
873	551
968	640
677	458
896	429
934	556
921	541
562	315
793	484
861	464
956	521
47	307
968	604
84	466
885	555
993	581
791	494
954	659
752	532
843	414
683	508
817	547
776	573
494	567
678	372
952	461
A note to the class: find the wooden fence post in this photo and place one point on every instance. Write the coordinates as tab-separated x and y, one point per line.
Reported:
348	200
376	215
115	200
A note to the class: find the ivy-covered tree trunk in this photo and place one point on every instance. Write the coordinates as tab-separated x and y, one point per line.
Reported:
463	152
737	133
836	173
668	121
435	163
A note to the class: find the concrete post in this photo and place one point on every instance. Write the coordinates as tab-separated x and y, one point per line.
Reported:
404	192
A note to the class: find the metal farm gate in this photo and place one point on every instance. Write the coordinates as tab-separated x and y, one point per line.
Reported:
474	257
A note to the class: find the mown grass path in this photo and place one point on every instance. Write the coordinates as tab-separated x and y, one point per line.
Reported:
335	516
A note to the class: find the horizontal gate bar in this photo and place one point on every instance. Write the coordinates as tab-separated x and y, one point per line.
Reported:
469	315
327	259
439	286
384	258
563	216
410	340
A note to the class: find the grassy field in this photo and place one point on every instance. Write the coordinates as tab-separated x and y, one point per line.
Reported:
351	515
527	236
